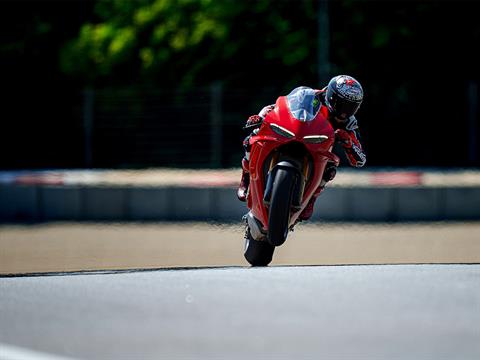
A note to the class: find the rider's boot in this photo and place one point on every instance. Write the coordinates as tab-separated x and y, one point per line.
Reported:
308	211
244	182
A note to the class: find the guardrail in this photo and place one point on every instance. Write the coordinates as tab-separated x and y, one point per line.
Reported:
39	197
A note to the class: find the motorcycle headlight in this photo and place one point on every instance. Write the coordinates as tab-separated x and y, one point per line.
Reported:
315	139
282	131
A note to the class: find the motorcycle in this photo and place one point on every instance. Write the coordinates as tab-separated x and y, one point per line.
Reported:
288	156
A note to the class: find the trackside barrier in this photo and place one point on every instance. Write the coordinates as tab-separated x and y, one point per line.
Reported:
25	203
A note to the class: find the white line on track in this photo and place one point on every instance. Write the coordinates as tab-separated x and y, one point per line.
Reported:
10	352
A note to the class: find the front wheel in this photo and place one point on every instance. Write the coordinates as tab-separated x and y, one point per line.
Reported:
257	253
280	205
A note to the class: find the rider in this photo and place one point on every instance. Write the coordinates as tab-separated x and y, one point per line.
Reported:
342	97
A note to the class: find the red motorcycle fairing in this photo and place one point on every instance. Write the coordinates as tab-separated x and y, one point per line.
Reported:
267	141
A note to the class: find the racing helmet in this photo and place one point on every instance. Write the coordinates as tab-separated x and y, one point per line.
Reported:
343	97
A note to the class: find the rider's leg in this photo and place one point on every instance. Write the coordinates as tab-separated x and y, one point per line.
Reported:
328	175
245	180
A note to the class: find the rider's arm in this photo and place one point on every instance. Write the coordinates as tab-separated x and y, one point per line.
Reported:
266	110
355	154
256	120
321	93
350	140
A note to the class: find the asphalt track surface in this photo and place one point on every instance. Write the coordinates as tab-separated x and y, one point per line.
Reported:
287	312
184	291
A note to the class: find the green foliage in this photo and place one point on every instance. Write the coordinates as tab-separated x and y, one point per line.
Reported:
187	41
182	43
99	48
142	34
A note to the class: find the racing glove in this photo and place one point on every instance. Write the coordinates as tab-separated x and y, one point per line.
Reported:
355	154
256	120
252	121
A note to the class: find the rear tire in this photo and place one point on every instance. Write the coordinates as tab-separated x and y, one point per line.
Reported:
258	253
280	205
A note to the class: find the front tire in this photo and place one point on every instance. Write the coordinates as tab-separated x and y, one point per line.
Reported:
280	205
257	253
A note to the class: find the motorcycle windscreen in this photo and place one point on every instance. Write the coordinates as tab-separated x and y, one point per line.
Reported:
303	103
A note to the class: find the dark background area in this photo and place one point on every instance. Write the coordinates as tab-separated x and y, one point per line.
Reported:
417	61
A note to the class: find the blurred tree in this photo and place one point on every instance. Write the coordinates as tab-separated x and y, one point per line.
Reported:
186	42
415	59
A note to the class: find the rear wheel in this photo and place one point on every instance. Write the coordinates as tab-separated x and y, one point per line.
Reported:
257	253
280	204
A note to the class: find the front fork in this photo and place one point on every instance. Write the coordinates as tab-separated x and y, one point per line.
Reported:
277	161
300	181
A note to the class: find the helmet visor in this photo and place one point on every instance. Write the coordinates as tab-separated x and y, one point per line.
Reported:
343	109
